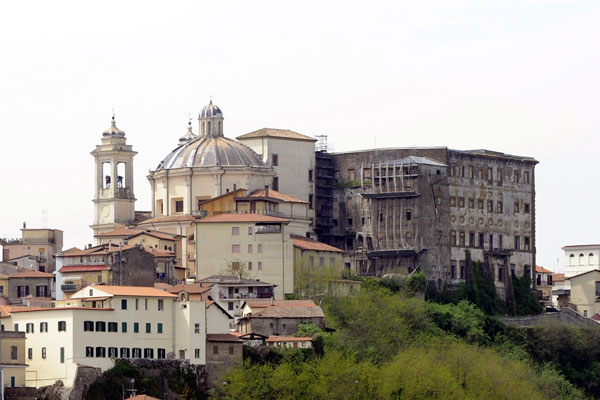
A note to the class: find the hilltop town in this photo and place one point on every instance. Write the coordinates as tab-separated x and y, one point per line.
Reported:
271	242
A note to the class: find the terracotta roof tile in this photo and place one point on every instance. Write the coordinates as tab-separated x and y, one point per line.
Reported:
3	276
542	270
277	133
162	286
222	337
310	244
192	288
277	195
289	312
83	268
119	232
262	303
142	291
31	274
243	217
558	277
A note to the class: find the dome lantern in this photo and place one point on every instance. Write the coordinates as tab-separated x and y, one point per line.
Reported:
113	130
211	121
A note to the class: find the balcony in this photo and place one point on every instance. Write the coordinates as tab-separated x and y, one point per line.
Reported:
260	229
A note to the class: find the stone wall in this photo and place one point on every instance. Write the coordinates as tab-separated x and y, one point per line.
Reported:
282	326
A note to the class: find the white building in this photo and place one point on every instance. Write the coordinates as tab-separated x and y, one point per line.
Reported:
101	323
580	259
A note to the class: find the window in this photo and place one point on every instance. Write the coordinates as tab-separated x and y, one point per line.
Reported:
113	327
321	261
500	242
516	207
490	175
461	202
124	327
471	203
196	328
161	304
259	249
16	326
124	353
113	352
100	351
30	351
89	351
499	207
527	244
275	160
526	208
500	274
526	176
88	326
490	205
351	175
480	173
159	328
452	238
275	183
161	353
148	353
29	327
235	265
43	327
481	240
597	289
22	291
311	261
453	271
260	265
461	171
235	230
230	306
452	203
332	262
148	327
136	327
197	353
471	239
62	326
249	230
470	172
250	265
517	243
499	176
215	349
310	175
62	355
145	304
462	270
136	352
350	221
408	214
462	238
235	248
124	304
250	249
43	352
480	204
491	242
231	350
100	326
179	206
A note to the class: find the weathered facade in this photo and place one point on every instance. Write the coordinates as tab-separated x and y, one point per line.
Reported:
398	210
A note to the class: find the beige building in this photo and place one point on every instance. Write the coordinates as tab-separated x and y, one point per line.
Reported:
257	246
114	199
13	358
585	292
39	244
581	258
101	323
292	156
316	267
543	284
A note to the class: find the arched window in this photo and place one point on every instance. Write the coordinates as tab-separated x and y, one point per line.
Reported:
208	130
591	259
572	259
581	260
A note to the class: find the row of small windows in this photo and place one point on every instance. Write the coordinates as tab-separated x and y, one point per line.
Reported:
236	248
499	206
581	259
460	239
101	326
44	354
124	352
30	327
124	303
469	171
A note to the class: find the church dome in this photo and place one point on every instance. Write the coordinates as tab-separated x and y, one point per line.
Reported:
211	111
211	151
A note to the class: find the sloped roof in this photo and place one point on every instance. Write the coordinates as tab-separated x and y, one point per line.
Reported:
222	337
162	286
242	217
192	288
142	291
310	244
119	232
262	303
542	270
3	276
172	218
273	194
83	268
558	277
31	274
277	133
289	312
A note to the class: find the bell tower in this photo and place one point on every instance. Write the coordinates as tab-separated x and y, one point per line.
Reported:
114	201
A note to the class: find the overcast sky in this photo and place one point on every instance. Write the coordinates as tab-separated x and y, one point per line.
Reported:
519	77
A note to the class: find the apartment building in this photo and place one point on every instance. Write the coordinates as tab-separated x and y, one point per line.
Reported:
40	245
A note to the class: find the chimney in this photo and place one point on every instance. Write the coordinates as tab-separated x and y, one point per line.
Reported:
234	187
266	190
